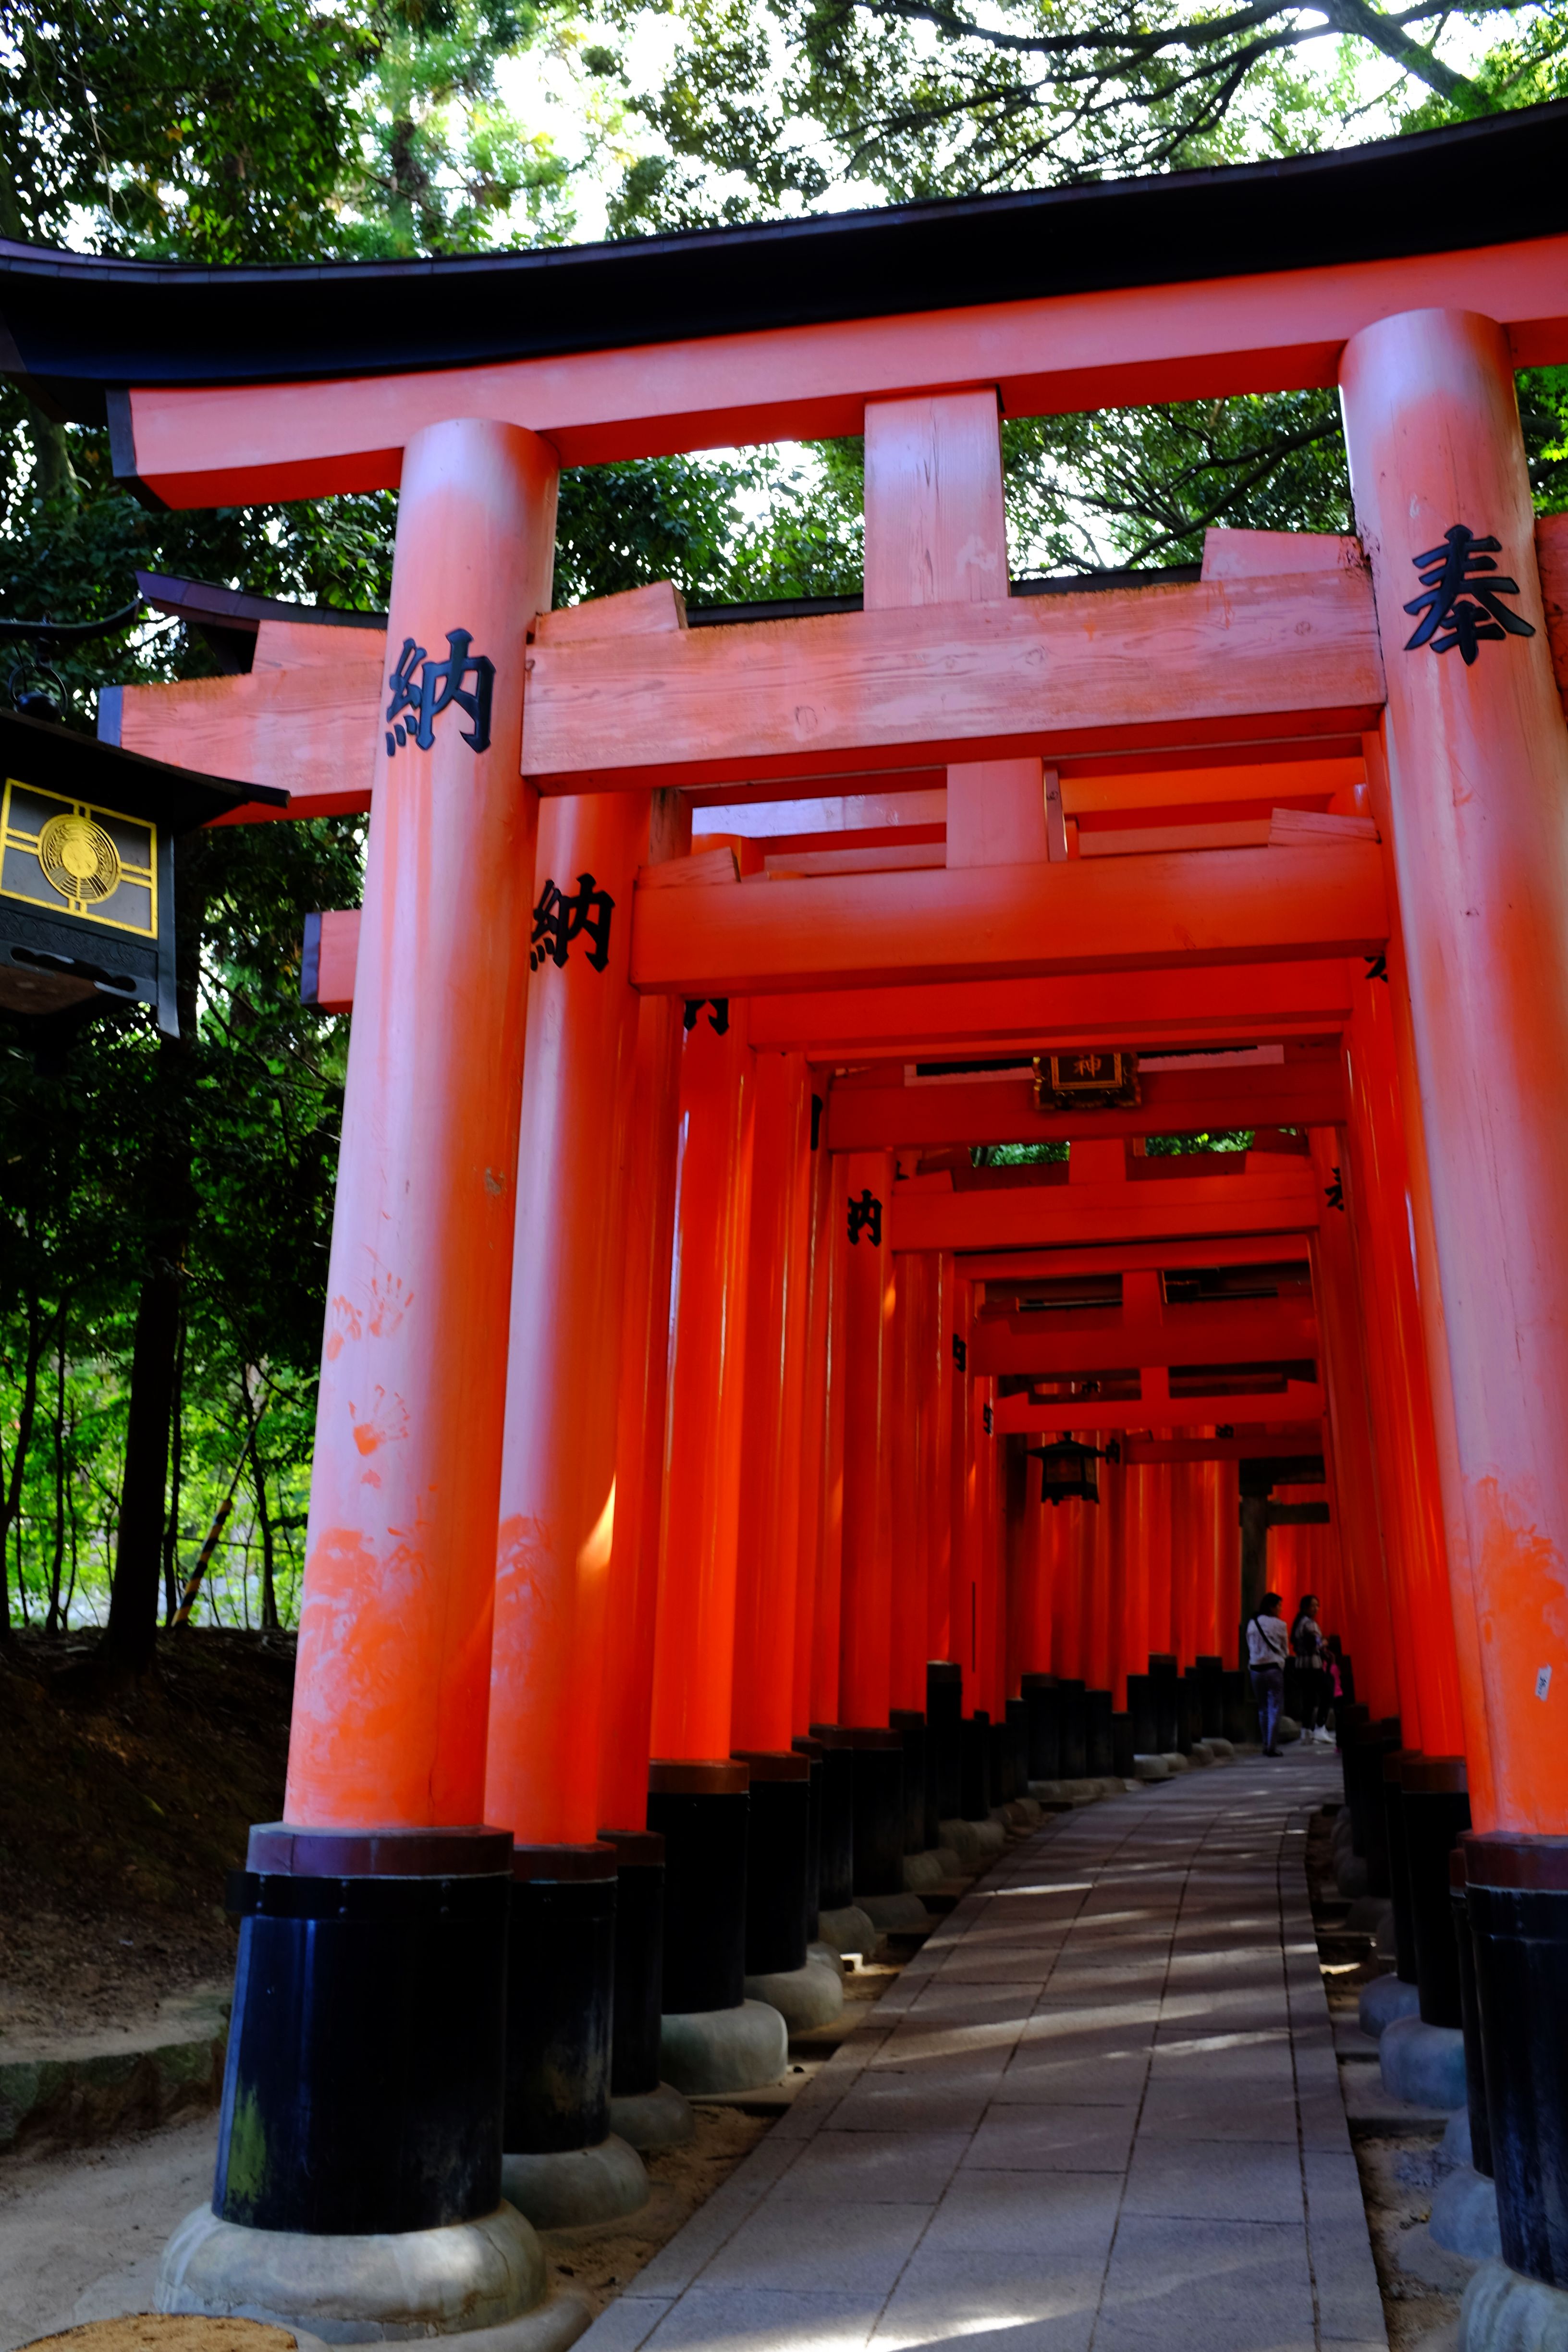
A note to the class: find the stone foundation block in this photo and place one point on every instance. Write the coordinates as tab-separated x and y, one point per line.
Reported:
1423	2064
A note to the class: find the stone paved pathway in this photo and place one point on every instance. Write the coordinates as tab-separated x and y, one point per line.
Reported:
1098	2112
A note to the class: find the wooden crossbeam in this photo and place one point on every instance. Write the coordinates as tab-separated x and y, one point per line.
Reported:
1002	1110
1045	1346
1282	1198
1127	1257
1222	1004
870	931
1302	1400
231	446
1208	660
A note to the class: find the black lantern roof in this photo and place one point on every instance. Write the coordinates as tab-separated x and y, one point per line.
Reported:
86	867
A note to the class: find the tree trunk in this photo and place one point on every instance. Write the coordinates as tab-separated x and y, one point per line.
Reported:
177	1465
54	1620
132	1633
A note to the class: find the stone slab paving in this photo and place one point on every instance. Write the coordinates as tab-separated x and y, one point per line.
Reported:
1098	2112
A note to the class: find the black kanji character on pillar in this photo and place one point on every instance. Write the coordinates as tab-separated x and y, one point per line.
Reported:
1334	1193
440	684
866	1217
562	916
1460	599
718	1020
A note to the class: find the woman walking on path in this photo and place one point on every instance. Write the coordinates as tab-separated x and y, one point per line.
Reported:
1266	1643
1311	1649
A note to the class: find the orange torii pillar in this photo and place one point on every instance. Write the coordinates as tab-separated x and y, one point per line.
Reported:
832	1752
1131	1684
376	1912
866	1627
557	1511
1477	793
1103	1605
697	1800
1040	1679
1066	1635
762	1706
1428	1807
811	1499
643	2108
944	1672
1352	1490
911	1544
1029	1624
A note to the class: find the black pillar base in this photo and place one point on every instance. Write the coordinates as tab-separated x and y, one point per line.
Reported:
879	1809
998	1750
1240	1716
1071	1695
1435	1806
1189	1712
1121	1745
1163	1678
1370	1743
811	1750
778	1834
1142	1728
560	1992
918	1819
364	2083
944	1718
1346	1719
1040	1697
836	1866
975	1801
1475	2053
700	1810
1211	1685
1398	1863
1099	1757
639	1961
1018	1747
1518	1923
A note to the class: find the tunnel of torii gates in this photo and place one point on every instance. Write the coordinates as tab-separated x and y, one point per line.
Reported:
675	1560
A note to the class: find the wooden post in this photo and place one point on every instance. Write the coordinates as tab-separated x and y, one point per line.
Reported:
694	1647
1354	1491
629	1619
1407	1440
763	1710
391	1695
866	1628
1478	790
814	1418
558	1492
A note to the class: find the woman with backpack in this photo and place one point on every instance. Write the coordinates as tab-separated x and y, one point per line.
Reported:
1266	1643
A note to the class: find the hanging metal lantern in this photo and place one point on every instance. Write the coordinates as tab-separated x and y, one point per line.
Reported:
86	867
1067	1474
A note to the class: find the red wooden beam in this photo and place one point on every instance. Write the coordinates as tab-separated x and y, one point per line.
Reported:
1133	1258
1284	1200
1302	1437
1296	655
866	930
1232	1004
1300	1400
1002	1110
1058	355
1055	1346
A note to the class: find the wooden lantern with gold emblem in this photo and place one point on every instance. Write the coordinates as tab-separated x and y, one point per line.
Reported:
86	867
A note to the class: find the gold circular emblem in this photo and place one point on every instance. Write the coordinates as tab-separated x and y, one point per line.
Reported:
78	859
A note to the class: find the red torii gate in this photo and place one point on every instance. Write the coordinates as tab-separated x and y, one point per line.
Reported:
453	1402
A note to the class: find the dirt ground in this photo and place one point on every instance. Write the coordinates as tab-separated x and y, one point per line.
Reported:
117	1824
